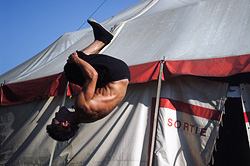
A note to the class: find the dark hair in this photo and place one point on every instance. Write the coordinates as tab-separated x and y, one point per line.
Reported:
60	133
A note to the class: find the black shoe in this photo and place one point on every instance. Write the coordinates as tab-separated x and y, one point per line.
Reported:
100	32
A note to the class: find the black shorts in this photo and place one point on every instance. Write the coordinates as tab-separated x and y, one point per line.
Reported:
109	69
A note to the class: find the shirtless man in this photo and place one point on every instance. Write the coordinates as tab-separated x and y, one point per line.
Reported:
104	82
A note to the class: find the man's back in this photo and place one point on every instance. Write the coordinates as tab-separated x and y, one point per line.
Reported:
104	100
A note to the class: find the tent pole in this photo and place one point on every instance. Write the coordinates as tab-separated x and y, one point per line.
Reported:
53	152
55	142
156	113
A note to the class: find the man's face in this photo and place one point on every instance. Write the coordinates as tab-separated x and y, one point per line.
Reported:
63	116
62	123
63	126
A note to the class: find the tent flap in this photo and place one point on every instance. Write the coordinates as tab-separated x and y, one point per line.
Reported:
144	72
214	67
26	91
189	117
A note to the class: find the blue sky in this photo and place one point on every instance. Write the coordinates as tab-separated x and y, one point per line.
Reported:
29	26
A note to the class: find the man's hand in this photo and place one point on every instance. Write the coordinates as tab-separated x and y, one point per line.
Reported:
73	58
87	70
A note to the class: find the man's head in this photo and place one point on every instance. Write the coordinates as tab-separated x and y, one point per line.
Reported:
63	126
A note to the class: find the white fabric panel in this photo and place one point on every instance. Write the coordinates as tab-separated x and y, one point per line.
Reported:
245	96
23	138
121	138
182	138
196	91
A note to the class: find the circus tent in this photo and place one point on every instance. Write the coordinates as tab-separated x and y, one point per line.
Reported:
186	57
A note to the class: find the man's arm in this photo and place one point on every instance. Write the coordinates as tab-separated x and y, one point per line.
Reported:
90	75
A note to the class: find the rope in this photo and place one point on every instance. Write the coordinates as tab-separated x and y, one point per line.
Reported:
93	13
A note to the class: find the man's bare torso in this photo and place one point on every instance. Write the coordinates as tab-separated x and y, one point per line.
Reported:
103	102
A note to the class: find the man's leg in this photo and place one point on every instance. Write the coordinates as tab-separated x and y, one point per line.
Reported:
93	48
102	38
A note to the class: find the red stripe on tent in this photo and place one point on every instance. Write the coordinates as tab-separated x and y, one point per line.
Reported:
216	67
26	91
190	109
247	117
54	85
144	72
